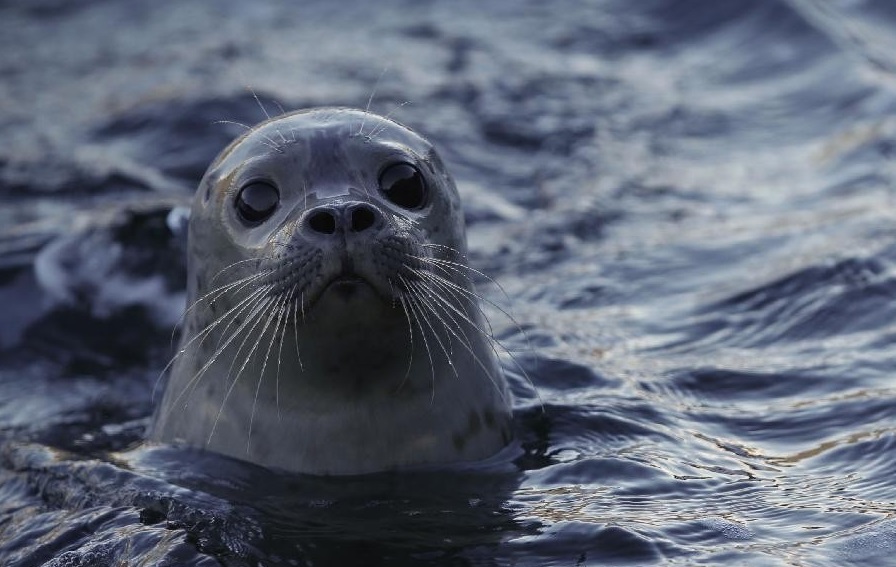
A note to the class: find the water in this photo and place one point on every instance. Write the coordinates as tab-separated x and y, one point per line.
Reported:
689	207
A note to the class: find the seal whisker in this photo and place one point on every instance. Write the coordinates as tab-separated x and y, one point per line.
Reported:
279	106
464	270
203	333
268	141
302	304
237	286
284	318
248	303
422	308
404	308
474	294
255	296
426	282
433	301
449	351
379	129
217	292
428	278
295	324
185	343
413	311
264	365
220	272
425	287
439	280
449	267
465	340
266	115
223	288
257	316
283	244
265	304
292	131
370	101
467	293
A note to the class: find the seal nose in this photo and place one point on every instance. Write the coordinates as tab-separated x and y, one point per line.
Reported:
353	216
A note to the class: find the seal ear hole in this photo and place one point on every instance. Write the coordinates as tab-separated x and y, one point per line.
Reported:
256	202
404	185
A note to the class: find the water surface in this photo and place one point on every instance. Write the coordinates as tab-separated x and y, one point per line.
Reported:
688	206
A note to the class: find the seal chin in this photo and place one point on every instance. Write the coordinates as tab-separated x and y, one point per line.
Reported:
352	295
347	312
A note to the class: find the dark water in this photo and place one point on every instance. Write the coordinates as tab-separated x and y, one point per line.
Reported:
689	206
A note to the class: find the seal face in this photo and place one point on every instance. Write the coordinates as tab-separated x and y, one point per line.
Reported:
332	325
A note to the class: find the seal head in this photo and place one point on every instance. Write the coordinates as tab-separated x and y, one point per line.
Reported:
332	326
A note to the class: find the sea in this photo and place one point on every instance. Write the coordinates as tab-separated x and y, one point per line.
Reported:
684	216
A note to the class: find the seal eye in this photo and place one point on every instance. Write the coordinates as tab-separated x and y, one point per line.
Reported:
403	184
257	201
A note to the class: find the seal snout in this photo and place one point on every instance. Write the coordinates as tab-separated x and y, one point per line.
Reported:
341	219
349	235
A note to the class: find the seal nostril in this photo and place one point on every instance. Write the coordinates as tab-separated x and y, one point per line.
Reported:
323	222
362	219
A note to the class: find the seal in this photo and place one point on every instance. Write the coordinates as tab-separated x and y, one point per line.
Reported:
332	327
